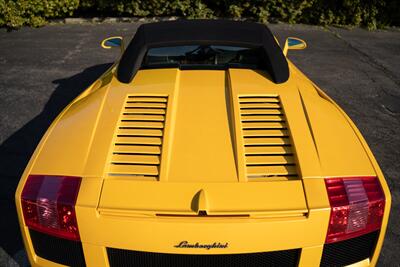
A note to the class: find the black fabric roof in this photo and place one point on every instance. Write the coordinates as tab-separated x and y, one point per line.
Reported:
217	32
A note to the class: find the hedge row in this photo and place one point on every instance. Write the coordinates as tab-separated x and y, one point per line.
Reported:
368	13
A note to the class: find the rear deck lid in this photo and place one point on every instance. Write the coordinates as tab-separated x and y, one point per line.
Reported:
203	142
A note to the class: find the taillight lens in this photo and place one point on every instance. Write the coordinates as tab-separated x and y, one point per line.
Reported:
48	204
357	206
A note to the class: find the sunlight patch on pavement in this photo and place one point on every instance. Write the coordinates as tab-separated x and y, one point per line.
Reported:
6	260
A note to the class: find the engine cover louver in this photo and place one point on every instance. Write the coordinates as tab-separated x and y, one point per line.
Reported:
267	146
138	142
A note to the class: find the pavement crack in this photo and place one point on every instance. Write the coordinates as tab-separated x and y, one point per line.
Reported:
76	50
368	59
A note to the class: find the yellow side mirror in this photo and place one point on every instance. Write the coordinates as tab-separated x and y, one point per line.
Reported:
115	41
293	43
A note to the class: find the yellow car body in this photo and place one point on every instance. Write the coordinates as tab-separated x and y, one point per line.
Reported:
196	158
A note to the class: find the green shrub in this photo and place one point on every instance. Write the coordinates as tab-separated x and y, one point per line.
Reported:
16	13
184	8
371	14
345	12
267	10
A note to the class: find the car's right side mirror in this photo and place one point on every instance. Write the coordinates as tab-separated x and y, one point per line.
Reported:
293	43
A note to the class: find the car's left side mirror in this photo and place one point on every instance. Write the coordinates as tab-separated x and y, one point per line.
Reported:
111	42
293	43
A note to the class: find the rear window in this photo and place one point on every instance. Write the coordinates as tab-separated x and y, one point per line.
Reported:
204	56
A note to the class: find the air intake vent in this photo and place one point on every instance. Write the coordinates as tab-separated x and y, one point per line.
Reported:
127	258
138	144
350	251
267	147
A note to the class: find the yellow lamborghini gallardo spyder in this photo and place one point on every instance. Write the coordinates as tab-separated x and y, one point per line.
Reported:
203	146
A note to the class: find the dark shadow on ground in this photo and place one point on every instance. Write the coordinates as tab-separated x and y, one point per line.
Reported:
16	151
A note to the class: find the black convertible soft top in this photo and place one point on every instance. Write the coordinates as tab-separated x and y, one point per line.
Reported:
213	32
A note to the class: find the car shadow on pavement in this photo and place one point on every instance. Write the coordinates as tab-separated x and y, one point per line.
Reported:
16	151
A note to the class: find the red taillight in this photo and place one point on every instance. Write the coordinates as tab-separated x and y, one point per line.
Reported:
357	206
48	204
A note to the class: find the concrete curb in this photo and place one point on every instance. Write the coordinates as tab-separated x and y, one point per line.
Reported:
98	20
110	20
136	19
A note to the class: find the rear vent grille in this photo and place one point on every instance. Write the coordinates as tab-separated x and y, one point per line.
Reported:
267	147
138	144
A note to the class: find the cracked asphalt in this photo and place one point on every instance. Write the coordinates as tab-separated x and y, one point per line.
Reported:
42	70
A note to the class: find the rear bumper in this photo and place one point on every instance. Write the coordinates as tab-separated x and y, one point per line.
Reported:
305	234
353	252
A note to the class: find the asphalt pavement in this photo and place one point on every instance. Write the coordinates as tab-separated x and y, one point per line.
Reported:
42	70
